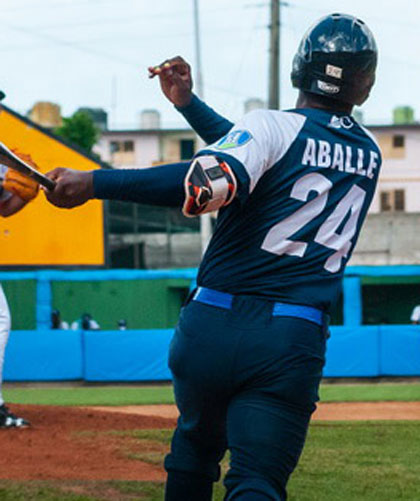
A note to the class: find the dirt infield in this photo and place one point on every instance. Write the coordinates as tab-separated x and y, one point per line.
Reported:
346	411
60	445
361	411
63	442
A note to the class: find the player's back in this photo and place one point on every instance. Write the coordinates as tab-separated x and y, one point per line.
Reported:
308	177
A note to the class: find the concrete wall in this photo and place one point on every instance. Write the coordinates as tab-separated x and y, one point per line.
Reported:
389	238
165	250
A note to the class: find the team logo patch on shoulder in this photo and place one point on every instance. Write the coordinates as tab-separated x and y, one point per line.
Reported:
341	122
234	139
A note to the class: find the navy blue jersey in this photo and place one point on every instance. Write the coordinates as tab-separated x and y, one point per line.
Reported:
307	178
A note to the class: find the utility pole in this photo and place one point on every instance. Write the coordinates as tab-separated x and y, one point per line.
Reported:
205	219
274	65
197	44
114	95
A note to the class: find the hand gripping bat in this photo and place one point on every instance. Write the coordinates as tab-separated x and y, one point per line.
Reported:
12	161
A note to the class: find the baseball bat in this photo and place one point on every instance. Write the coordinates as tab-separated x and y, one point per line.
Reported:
11	160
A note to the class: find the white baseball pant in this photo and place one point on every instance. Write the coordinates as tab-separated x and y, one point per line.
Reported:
4	334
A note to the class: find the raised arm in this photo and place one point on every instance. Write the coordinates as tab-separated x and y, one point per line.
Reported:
208	124
176	83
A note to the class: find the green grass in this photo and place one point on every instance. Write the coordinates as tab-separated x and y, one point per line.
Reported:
369	461
29	491
163	394
75	490
353	461
375	461
370	392
91	395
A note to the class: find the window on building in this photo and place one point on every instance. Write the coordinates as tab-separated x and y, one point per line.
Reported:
121	146
393	200
114	146
186	149
398	141
399	200
122	153
385	201
128	146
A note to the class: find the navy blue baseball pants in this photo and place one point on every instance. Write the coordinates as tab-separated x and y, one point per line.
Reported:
246	381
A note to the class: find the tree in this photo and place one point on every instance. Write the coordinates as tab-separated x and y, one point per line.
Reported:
79	129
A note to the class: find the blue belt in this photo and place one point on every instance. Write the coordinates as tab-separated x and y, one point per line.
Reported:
225	300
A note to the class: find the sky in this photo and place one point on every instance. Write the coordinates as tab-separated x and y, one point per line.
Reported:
96	53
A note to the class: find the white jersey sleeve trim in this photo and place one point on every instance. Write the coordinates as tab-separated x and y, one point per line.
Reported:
260	140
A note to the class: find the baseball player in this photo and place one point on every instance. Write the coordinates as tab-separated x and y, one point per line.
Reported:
16	190
292	189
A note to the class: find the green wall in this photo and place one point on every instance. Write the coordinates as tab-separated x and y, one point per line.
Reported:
148	304
145	304
21	296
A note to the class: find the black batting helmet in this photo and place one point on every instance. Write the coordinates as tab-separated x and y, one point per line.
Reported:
337	58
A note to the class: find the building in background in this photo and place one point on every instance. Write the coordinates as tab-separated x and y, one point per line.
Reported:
254	103
150	119
403	115
46	114
142	236
152	237
146	146
136	149
399	182
390	234
157	237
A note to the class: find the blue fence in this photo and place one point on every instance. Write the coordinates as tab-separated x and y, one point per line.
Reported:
370	351
140	355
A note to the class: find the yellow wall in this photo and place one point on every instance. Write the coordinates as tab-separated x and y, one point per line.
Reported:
41	234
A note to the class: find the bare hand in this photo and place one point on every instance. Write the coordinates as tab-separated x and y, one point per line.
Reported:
11	206
73	187
175	80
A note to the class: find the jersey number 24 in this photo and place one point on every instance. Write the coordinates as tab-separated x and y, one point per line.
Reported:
277	240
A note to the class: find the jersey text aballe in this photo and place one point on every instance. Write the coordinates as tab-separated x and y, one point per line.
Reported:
344	158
